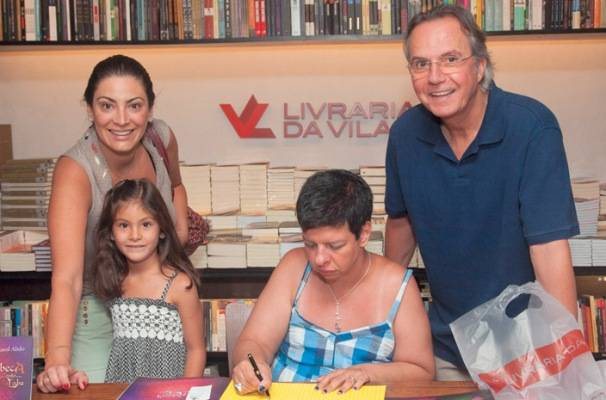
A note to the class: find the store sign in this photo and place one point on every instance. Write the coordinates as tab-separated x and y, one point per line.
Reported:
245	124
328	119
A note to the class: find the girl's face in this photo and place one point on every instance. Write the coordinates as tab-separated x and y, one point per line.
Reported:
120	112
136	233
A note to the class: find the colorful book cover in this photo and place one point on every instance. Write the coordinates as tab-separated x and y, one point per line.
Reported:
16	363
476	395
175	389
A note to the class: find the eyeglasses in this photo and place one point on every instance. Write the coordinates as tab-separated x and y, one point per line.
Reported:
448	64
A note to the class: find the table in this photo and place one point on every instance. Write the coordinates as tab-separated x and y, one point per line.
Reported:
110	391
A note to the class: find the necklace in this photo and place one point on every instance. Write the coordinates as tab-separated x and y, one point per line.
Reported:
338	301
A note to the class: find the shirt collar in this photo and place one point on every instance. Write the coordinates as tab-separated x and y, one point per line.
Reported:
491	130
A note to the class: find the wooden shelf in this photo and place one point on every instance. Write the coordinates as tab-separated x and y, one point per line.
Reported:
588	271
286	39
216	284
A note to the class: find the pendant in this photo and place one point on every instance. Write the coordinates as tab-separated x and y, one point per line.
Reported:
338	318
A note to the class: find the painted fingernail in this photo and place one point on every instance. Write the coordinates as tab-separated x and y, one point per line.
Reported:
262	389
66	386
325	391
340	391
316	387
356	388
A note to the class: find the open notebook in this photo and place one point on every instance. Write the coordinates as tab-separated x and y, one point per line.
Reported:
306	391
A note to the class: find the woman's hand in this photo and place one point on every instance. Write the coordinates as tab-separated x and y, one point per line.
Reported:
245	380
60	377
343	379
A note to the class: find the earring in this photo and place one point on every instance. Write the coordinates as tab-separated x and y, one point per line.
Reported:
162	235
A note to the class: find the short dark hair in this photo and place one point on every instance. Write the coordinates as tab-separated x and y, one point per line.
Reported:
110	267
475	35
332	198
119	65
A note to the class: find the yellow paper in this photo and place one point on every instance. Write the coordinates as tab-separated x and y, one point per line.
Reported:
306	391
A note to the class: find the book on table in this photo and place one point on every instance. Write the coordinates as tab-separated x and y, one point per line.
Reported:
16	359
175	389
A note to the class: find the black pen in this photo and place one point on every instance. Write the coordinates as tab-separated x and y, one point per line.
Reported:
256	370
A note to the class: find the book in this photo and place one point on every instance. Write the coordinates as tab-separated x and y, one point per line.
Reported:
307	391
16	359
475	395
175	389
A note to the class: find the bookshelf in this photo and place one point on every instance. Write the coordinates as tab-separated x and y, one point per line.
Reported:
124	22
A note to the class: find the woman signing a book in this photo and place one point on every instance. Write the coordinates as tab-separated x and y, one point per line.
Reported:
119	98
333	313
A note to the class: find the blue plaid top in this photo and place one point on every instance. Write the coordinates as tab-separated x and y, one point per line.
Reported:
309	351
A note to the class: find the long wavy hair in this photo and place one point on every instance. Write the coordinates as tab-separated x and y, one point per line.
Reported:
110	266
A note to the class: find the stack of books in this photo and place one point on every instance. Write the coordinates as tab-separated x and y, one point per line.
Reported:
598	249
586	192
281	215
42	256
290	236
281	188
602	216
223	224
375	243
199	258
196	179
301	175
375	177
262	230
16	252
580	250
26	188
378	223
262	253
253	188
227	251
225	188
244	220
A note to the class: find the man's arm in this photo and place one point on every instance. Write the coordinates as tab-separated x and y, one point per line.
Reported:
400	241
553	268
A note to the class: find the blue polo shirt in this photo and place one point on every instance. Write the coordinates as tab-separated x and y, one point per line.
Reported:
474	218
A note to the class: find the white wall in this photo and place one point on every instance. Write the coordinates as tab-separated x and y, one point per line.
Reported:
41	90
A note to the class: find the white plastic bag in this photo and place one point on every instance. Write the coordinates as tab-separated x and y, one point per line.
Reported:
538	354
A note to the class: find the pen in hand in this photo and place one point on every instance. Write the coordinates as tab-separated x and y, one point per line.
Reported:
256	370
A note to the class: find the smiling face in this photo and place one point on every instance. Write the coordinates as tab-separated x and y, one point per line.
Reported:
333	251
136	233
120	112
453	95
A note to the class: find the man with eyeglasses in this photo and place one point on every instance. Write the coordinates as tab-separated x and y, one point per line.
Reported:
478	178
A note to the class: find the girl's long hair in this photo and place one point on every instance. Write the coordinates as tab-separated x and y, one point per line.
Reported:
110	266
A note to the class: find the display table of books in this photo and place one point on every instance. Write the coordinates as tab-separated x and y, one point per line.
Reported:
409	390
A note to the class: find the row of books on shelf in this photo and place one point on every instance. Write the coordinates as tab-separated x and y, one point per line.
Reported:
145	20
215	329
592	319
25	318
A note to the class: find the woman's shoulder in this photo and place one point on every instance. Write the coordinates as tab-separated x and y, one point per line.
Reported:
290	268
163	130
294	260
179	279
390	268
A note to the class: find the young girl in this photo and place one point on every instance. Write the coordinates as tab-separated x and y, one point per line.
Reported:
150	286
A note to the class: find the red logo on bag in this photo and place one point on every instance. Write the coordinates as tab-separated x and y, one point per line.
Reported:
539	364
246	124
